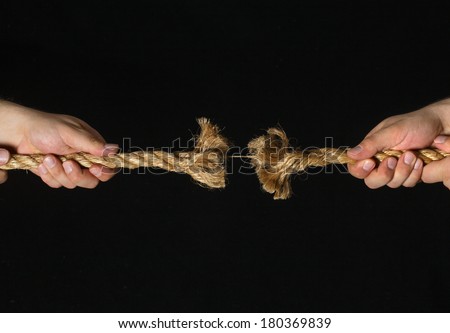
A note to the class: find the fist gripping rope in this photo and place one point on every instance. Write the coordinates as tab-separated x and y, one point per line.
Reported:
275	161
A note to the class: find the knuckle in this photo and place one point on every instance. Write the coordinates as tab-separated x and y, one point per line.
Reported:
403	167
92	185
104	178
397	181
56	171
393	184
368	141
50	182
371	184
351	169
385	177
355	170
75	177
386	174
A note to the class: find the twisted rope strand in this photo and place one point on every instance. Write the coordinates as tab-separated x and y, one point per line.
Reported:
205	164
275	161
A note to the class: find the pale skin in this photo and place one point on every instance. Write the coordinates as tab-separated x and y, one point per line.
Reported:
427	127
27	131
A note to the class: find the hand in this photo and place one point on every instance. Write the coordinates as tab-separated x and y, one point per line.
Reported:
4	157
28	131
414	130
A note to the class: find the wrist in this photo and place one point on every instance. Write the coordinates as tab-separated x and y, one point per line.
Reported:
441	110
12	123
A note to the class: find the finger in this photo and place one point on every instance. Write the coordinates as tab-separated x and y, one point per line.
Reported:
437	171
102	173
55	168
442	142
4	156
3	176
382	175
381	140
405	166
361	169
415	175
82	140
79	176
47	177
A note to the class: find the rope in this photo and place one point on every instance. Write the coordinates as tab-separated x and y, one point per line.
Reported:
272	157
205	163
275	161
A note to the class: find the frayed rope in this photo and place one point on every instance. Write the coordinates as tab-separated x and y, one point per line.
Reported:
205	163
270	154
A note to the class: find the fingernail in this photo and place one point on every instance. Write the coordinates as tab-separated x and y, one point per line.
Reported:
110	148
440	139
355	150
368	165
67	167
49	161
409	158
42	169
4	156
417	164
391	163
96	171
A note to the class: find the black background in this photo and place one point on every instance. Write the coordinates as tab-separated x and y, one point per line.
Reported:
145	243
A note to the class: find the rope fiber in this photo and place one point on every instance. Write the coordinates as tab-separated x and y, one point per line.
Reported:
205	163
270	154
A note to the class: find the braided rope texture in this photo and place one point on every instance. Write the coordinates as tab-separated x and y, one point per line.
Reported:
275	161
270	154
205	163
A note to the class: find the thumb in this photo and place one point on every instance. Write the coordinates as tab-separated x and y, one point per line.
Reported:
374	143
442	142
4	156
84	141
